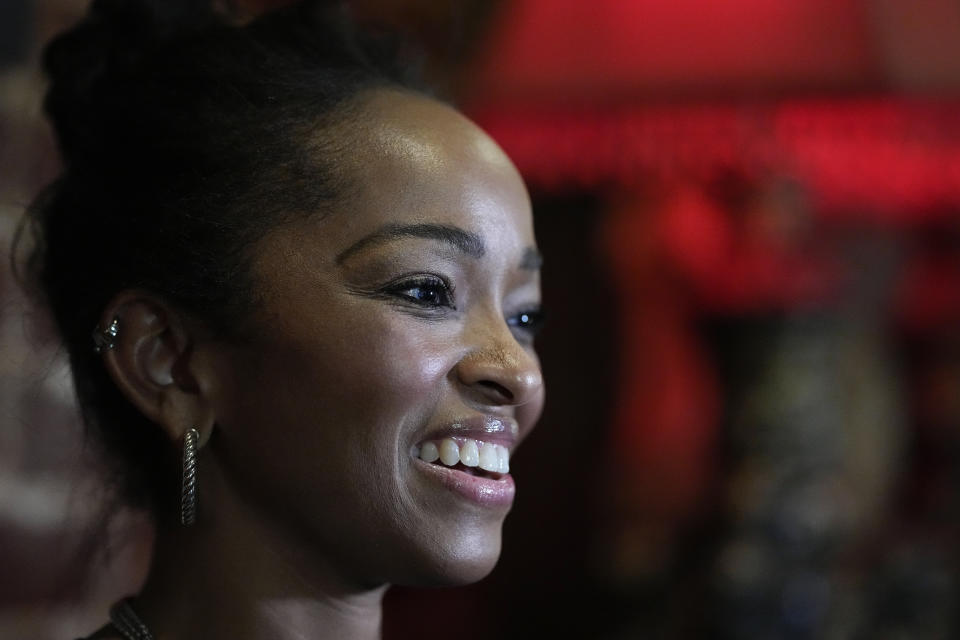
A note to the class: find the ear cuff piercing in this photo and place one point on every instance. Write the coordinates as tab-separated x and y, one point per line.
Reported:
104	339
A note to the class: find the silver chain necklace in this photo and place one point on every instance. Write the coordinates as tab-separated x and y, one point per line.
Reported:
127	622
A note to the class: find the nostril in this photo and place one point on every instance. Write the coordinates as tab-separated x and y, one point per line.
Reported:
495	388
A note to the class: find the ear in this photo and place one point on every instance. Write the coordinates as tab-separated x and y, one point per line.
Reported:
151	362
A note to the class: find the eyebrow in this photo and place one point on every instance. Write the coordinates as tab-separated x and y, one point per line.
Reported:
469	243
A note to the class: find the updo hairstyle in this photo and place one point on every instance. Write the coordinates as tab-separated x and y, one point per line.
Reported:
184	139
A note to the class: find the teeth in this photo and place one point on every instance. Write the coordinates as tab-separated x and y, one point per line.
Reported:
488	459
469	454
449	452
430	453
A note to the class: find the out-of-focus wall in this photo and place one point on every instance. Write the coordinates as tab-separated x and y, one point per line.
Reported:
771	195
53	582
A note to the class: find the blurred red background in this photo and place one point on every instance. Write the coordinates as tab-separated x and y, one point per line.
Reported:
750	212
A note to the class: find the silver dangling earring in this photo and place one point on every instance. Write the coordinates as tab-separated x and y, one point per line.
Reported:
188	494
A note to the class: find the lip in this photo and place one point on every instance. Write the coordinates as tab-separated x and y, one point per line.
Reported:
493	429
485	492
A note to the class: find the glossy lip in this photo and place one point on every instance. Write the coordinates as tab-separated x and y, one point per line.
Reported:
493	429
486	492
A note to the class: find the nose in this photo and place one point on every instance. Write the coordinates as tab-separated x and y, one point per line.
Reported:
501	371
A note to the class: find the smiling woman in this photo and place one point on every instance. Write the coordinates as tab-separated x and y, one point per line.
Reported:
316	293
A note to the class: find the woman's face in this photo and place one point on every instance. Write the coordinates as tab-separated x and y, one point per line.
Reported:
401	322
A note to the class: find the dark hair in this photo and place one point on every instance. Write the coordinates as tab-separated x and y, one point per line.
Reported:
184	138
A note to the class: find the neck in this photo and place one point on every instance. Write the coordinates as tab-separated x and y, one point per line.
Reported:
235	575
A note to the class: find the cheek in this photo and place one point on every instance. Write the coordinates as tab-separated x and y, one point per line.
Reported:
336	398
385	374
319	429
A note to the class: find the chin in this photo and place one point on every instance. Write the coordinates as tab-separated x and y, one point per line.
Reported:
468	560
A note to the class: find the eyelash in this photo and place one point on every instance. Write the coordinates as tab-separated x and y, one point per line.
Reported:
529	321
444	291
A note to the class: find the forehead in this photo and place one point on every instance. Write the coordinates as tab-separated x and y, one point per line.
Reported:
415	160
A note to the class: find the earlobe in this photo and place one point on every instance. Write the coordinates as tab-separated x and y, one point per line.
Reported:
150	362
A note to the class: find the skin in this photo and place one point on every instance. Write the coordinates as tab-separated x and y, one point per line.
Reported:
364	343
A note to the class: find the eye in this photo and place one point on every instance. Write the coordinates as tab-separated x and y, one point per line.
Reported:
530	321
426	291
